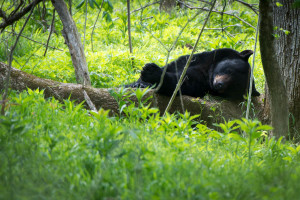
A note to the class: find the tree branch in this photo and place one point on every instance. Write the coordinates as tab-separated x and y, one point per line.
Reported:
35	41
215	11
251	6
129	26
51	30
141	8
188	62
10	58
10	20
3	15
95	25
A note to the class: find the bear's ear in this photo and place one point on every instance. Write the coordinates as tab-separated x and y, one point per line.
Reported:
246	54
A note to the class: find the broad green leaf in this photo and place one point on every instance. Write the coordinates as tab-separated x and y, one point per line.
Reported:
91	3
293	150
236	137
264	128
108	7
106	16
80	4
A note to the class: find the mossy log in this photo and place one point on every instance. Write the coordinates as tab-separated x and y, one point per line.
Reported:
212	109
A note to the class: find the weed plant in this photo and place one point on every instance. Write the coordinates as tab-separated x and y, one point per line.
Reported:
60	150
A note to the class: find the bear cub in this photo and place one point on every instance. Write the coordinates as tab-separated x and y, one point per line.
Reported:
222	72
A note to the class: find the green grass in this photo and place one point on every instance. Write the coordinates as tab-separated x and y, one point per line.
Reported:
52	150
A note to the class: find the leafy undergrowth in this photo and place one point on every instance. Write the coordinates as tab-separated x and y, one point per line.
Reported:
52	150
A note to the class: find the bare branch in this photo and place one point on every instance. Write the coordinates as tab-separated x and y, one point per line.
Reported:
251	6
188	62
141	19
19	15
89	101
3	15
85	20
174	44
168	49
141	8
129	26
10	58
204	1
252	69
51	30
216	11
95	24
17	8
34	41
222	29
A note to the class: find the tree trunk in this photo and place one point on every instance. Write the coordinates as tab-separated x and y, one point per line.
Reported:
73	41
211	109
280	57
167	5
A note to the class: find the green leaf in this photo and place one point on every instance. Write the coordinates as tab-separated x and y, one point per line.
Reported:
133	134
264	127
107	16
286	32
95	2
278	4
91	2
296	4
236	137
107	6
255	135
80	4
293	150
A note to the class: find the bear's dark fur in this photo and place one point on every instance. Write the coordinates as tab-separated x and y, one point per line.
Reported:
222	72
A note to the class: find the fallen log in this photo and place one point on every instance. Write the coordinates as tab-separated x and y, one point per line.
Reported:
212	109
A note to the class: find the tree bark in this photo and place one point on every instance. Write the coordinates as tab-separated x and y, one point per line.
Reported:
73	41
212	110
280	58
288	18
167	5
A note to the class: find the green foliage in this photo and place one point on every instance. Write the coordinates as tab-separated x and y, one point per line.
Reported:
296	4
60	150
55	150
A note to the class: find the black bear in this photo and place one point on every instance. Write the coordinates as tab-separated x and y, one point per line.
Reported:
222	72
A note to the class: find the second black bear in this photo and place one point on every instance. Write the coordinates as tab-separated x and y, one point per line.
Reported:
222	72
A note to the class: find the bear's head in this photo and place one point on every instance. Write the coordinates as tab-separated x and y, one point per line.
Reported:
231	76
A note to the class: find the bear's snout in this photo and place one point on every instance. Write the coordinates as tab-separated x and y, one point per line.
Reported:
220	82
219	85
